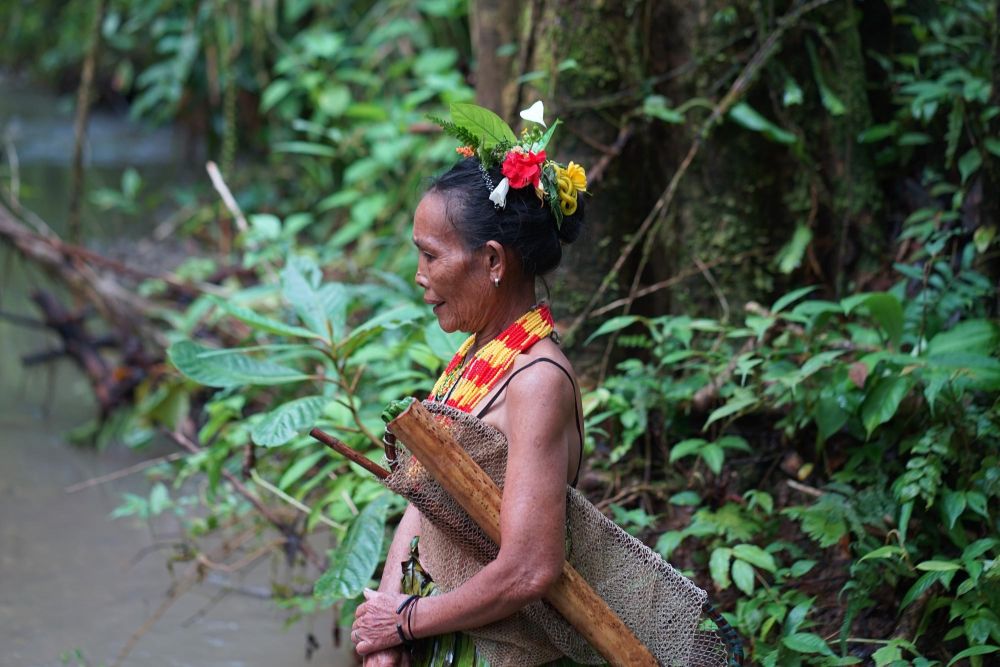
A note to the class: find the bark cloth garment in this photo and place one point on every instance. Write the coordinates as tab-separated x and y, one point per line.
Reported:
663	608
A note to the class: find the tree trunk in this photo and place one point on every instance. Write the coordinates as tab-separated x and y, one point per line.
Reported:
494	41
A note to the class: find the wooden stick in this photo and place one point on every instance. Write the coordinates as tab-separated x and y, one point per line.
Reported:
479	495
339	447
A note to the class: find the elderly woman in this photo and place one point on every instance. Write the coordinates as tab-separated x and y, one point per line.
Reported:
485	232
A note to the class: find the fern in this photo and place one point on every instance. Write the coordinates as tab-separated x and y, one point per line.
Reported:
463	135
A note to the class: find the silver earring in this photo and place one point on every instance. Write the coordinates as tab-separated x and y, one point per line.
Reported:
496	282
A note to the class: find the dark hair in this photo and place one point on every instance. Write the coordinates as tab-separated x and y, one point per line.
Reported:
525	224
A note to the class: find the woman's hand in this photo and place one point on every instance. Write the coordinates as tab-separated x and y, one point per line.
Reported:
375	622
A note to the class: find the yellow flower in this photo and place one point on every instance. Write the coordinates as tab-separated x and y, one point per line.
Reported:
577	175
567	203
569	181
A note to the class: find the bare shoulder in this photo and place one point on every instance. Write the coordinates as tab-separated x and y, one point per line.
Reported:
543	386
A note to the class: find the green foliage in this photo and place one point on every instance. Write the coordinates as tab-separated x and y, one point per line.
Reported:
891	407
353	563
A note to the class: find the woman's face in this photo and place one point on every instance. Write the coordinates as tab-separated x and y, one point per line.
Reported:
455	280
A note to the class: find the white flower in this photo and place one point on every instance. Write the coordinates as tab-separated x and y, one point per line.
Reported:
534	113
499	194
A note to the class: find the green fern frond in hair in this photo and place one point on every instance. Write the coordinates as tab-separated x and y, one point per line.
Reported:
463	135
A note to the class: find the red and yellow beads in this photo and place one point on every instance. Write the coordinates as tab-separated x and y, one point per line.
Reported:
462	386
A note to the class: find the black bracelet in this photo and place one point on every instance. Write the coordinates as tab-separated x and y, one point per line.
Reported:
409	618
399	628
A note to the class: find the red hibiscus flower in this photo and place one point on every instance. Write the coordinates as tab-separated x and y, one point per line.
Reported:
523	167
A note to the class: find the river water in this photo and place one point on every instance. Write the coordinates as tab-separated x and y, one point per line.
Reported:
73	581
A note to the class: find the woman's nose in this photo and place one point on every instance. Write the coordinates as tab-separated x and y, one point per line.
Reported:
420	279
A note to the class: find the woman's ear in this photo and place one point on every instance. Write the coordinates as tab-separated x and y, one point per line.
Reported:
496	259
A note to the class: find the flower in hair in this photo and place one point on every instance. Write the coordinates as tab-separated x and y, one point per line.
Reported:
523	167
535	113
499	194
569	182
522	160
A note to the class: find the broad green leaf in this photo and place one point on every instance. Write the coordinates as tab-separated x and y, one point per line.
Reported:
806	642
353	562
887	655
743	576
885	308
790	298
745	115
302	465
734	442
973	650
938	566
685	498
304	148
969	163
792	95
953	504
686	448
489	127
655	106
977	370
925	581
883	400
735	404
283	423
274	93
969	337
391	319
612	325
801	567
830	416
262	322
887	551
323	309
983	237
718	566
713	456
228	368
878	132
755	556
790	256
977	503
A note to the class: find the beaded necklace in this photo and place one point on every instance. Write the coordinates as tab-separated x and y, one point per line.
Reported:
463	385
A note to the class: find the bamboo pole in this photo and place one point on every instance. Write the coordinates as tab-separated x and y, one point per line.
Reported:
479	495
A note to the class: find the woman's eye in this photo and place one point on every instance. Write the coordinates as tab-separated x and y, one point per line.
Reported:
427	255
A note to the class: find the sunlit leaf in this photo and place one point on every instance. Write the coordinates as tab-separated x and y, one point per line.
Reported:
718	567
485	124
284	422
262	322
228	368
743	576
745	115
353	562
755	556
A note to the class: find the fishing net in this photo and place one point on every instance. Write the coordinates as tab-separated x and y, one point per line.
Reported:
662	607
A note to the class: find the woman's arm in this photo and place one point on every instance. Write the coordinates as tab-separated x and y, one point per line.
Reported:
399	550
539	405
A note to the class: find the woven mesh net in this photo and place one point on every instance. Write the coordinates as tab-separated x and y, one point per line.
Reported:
662	607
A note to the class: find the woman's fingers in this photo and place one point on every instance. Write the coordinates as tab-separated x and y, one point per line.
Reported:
374	627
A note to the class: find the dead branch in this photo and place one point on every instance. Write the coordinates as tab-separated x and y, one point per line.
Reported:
293	541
